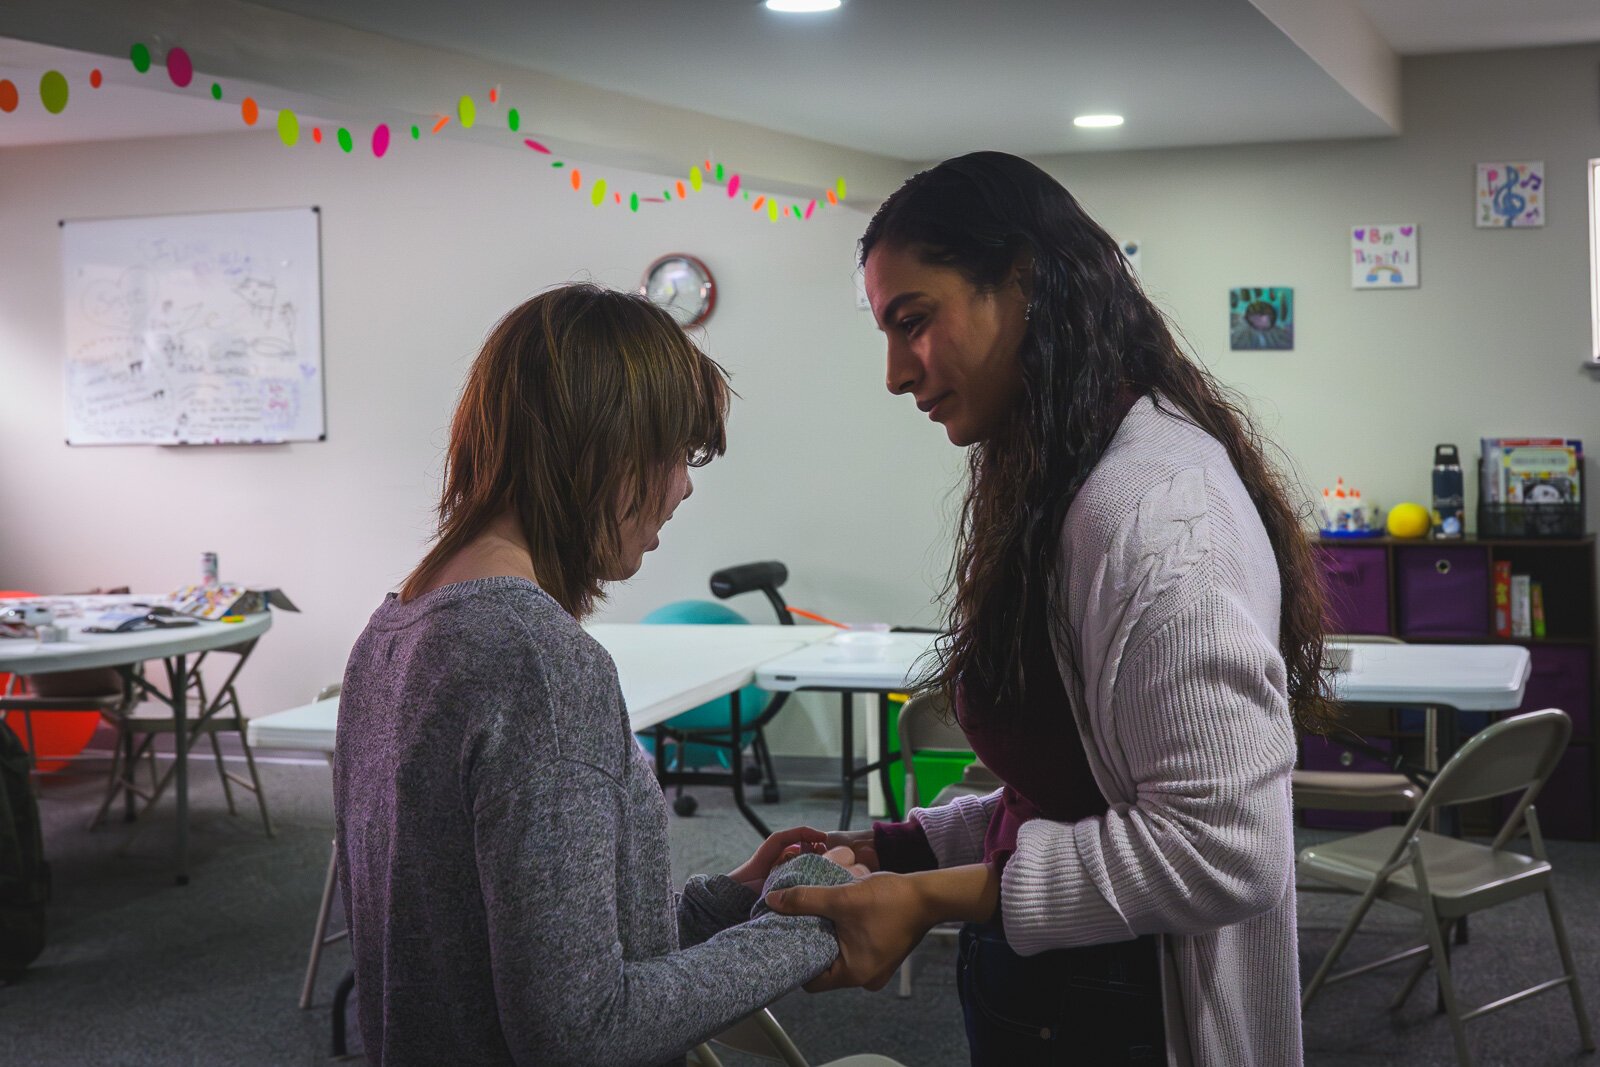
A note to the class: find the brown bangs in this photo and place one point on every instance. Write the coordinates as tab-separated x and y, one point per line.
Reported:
579	401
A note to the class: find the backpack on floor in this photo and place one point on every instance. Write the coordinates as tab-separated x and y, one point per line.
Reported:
24	875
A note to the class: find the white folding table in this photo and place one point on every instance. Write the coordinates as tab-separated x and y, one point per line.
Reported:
124	651
1436	678
847	670
663	671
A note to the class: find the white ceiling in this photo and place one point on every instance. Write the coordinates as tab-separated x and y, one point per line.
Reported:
909	79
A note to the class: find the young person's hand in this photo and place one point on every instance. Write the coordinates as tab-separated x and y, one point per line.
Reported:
861	843
752	873
840	854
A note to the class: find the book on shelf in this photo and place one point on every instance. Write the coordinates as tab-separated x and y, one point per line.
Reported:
1531	470
1502	598
1521	606
1536	609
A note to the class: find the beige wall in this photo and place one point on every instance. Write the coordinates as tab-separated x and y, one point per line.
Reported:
421	252
1490	345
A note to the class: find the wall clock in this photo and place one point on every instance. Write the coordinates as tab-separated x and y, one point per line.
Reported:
683	286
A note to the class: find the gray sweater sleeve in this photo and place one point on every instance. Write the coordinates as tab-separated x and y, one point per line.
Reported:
711	903
546	860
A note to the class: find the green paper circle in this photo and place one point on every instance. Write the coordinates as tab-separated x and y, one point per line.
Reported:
416	134
53	91
633	202
216	91
467	111
141	58
288	127
513	120
346	142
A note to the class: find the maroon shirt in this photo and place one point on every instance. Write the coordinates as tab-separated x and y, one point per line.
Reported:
1035	749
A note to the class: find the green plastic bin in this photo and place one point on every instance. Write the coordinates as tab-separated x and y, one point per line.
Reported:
935	770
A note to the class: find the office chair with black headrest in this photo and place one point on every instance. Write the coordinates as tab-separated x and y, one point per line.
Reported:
706	727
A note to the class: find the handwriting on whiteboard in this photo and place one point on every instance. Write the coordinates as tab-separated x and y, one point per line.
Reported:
193	329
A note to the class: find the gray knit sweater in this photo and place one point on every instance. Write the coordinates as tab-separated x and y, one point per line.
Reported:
503	852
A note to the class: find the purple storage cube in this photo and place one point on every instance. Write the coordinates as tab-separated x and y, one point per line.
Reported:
1442	591
1323	754
1356	582
1566	803
1559	678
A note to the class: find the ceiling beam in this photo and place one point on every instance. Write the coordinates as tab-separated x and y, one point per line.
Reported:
1340	39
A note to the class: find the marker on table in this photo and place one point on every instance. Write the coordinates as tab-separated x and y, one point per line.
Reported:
233	618
814	617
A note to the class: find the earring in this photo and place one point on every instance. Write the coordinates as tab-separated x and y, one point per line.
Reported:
1027	312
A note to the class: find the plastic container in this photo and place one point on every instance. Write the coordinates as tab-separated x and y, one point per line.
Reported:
861	646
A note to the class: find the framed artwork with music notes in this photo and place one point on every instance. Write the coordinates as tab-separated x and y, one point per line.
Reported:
1510	194
1383	255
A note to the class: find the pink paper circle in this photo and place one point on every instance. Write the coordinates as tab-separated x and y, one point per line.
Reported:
733	186
380	140
180	68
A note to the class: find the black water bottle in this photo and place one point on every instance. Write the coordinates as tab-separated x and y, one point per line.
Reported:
1449	494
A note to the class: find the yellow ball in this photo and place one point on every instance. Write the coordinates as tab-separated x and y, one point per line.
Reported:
1409	520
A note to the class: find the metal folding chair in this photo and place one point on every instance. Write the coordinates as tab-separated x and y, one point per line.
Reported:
216	713
1445	878
925	727
320	938
761	1035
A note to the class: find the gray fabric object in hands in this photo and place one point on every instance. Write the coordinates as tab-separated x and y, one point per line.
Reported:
804	869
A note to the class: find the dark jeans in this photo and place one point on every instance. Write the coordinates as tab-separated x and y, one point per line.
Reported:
1098	1006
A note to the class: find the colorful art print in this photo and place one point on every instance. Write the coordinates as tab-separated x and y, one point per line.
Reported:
1384	256
1510	194
1261	318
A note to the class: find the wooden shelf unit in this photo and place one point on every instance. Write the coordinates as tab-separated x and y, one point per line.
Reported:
1442	591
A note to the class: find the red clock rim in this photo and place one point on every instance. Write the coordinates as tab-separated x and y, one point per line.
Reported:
698	264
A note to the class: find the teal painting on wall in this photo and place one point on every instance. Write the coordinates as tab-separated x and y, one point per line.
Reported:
1261	318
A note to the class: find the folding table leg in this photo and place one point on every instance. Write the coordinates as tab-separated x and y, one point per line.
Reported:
737	762
847	742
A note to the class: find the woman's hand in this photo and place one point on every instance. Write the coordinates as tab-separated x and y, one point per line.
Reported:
752	873
881	918
878	921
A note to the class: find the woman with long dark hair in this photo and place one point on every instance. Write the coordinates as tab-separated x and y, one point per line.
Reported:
502	838
1135	632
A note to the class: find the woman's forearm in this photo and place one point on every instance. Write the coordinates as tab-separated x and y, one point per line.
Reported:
969	893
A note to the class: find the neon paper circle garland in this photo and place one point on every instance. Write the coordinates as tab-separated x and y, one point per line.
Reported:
55	92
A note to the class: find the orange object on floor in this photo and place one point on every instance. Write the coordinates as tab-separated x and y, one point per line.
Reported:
61	734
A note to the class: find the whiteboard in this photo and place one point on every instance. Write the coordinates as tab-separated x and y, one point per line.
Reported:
193	329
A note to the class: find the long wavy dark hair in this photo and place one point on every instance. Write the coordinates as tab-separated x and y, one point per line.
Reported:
1092	334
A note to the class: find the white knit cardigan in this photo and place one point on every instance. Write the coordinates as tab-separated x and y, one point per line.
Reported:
1179	693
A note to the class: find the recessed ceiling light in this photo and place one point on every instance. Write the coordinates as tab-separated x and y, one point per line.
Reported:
1097	121
794	7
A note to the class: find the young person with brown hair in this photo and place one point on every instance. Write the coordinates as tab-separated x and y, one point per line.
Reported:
502	837
1136	630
